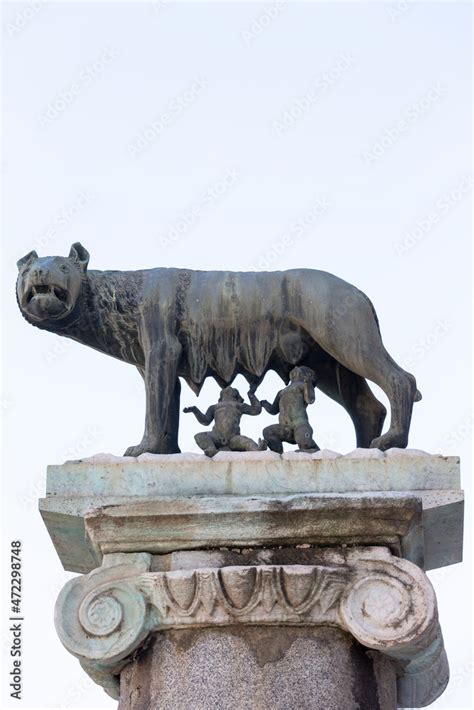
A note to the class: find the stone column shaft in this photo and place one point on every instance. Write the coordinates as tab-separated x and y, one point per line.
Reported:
257	668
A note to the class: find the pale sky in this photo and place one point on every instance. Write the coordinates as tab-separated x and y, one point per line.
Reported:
241	136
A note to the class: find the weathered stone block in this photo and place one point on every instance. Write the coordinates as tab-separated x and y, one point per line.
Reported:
187	501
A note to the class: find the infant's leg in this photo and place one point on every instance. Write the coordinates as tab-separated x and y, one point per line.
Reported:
205	442
243	443
275	434
304	438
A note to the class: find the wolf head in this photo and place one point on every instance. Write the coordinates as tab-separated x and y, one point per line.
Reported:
48	287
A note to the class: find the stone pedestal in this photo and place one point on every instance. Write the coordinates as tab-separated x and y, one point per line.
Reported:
257	580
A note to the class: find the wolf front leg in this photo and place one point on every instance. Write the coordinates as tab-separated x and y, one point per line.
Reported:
162	399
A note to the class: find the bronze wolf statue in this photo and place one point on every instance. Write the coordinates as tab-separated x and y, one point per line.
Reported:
174	323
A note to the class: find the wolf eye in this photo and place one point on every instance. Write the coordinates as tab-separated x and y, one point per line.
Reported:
63	267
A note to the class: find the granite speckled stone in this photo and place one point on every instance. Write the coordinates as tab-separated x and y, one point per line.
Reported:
257	669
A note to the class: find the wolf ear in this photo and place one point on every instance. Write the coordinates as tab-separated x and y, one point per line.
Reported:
80	255
25	259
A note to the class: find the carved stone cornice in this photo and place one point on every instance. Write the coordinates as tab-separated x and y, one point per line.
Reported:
406	500
162	525
384	602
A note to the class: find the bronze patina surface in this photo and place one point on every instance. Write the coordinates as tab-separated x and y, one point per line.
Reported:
173	323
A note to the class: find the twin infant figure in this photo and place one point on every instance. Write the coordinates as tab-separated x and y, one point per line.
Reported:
290	404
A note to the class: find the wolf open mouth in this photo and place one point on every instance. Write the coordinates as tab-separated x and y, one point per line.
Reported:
60	293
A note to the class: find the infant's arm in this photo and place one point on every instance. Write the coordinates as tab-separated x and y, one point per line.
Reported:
255	407
204	419
272	408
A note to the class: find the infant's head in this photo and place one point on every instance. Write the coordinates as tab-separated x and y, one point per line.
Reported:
229	394
303	374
